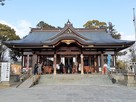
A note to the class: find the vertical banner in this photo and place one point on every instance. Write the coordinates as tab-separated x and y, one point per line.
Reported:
5	71
109	57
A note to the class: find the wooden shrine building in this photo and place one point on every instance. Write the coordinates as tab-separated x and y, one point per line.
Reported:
84	50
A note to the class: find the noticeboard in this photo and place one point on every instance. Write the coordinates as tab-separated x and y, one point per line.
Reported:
5	71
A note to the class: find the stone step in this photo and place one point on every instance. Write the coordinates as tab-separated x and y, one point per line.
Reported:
74	79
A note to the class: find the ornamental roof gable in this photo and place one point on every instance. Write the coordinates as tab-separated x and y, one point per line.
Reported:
68	30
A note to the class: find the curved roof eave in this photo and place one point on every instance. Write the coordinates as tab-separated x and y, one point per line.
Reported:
68	37
117	43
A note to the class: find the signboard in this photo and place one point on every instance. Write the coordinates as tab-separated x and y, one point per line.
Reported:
5	71
109	58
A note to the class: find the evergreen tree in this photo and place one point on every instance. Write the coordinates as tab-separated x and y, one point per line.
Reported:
44	25
2	2
6	34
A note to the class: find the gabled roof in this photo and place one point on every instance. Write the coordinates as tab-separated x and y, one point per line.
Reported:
96	37
68	32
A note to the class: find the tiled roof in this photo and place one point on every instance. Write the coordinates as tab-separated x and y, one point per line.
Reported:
93	38
83	36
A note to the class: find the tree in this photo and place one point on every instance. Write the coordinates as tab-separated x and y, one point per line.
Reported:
110	29
44	25
113	32
95	24
14	54
121	64
2	2
6	34
115	35
3	49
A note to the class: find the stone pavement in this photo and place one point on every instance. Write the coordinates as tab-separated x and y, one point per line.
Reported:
70	93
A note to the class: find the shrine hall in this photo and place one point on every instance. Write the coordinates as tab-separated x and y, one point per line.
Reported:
79	50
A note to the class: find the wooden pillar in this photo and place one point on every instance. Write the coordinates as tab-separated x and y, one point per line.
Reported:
115	58
82	64
99	62
27	65
38	58
22	61
76	64
89	60
102	60
96	63
54	63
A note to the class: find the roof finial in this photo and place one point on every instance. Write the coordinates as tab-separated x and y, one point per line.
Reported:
68	22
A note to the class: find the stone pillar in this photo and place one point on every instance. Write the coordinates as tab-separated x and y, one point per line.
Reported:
54	64
129	79
82	64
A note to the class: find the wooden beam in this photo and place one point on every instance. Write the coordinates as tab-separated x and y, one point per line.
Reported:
45	53
90	53
68	53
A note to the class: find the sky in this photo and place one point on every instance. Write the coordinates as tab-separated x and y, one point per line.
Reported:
24	14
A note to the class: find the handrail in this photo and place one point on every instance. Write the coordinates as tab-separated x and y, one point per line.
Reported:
35	80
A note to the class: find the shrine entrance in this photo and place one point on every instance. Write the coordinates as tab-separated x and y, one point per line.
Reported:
68	64
69	61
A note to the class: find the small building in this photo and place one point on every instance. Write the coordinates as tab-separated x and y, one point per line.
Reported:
80	50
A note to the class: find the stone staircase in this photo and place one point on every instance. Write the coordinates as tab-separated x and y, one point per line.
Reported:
74	79
27	83
31	81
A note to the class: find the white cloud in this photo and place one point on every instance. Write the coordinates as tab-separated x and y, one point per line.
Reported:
22	27
127	37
